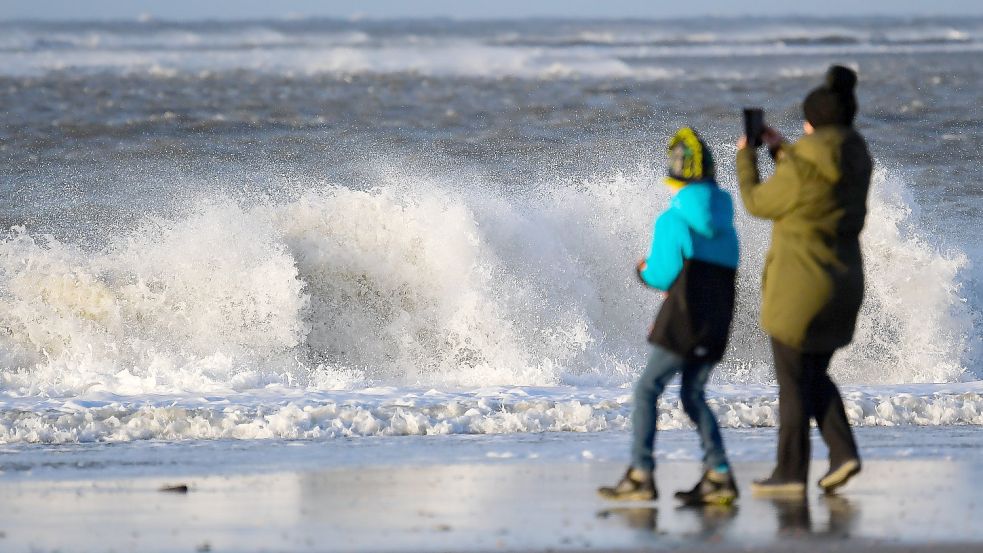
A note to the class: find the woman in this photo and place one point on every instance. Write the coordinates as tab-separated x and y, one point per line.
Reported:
813	279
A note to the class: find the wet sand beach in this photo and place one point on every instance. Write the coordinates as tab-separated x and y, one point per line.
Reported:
913	505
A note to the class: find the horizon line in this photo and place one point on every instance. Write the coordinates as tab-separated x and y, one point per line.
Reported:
360	18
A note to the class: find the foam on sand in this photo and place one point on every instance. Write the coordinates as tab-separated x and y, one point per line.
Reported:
285	414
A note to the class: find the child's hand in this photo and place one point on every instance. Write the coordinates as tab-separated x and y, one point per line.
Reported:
639	268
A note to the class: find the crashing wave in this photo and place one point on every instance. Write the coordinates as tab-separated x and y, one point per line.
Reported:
422	283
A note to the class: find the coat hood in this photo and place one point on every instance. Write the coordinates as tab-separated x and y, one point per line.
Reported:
704	207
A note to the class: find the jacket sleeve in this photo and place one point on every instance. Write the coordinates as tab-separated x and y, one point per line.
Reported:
774	197
670	242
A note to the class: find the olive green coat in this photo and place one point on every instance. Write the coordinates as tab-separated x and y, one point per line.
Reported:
813	281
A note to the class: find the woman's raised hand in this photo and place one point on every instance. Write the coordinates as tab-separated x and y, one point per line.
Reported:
771	137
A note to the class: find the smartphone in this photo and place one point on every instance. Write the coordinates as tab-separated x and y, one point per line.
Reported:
754	126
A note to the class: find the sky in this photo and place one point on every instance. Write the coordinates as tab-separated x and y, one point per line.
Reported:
470	9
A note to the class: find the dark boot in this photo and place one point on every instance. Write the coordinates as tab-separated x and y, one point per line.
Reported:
714	488
636	485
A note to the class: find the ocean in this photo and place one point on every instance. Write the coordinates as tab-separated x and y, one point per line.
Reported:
333	230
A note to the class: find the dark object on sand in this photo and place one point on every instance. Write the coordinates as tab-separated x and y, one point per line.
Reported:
180	488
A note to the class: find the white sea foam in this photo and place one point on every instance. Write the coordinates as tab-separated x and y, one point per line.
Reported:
394	412
275	319
192	37
907	281
412	283
450	59
591	50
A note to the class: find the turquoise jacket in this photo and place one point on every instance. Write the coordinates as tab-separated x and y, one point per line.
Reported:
698	224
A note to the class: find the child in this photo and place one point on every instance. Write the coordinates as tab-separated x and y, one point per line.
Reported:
694	259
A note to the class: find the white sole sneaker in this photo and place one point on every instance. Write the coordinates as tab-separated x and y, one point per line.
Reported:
840	476
614	495
783	489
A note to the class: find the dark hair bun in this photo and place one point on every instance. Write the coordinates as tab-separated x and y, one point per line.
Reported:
841	80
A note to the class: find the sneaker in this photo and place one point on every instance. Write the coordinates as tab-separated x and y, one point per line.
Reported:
773	486
714	488
636	485
839	476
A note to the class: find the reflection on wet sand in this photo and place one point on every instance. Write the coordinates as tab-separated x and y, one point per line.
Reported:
711	520
715	523
641	518
910	506
842	515
795	521
793	516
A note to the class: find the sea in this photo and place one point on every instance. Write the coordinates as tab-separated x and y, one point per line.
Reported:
414	240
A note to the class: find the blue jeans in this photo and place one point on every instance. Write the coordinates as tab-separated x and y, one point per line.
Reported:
662	366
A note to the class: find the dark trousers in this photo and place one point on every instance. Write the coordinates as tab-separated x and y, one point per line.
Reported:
805	392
